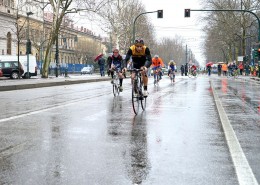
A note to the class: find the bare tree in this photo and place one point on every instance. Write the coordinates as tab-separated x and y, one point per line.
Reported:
229	32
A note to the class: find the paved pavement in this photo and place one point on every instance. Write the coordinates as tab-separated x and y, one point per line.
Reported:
7	84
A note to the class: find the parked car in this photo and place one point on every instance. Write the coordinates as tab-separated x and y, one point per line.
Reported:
86	70
9	65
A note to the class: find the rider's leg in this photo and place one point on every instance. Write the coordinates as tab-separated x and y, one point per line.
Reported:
145	80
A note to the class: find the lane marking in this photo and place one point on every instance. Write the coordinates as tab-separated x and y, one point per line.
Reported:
244	172
56	106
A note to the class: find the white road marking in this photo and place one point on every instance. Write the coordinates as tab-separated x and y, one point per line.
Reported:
244	172
60	105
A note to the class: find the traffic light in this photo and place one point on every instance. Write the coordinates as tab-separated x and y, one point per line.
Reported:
254	53
187	13
159	13
28	47
258	53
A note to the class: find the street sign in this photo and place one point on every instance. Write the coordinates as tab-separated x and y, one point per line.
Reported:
240	58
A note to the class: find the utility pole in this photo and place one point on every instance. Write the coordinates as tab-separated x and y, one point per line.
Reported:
28	45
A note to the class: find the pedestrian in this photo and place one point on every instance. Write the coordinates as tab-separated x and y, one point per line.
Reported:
209	70
186	69
247	69
219	69
101	63
182	70
241	68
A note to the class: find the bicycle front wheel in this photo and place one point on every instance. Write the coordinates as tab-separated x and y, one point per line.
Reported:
143	102
115	88
135	99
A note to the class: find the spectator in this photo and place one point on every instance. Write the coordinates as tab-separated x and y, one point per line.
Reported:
247	69
186	69
182	70
241	68
219	69
101	63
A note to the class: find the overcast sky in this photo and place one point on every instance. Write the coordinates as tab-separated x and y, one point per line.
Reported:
174	23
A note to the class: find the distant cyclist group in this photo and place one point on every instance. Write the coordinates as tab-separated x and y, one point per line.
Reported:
140	58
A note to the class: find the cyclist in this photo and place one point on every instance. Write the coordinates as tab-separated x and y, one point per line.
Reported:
157	64
116	63
141	59
171	69
193	70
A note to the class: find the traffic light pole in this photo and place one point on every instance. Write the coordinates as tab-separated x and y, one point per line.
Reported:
137	18
224	10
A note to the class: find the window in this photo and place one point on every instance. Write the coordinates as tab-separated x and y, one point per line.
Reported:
9	43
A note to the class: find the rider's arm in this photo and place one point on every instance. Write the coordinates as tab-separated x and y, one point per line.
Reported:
128	55
109	61
148	58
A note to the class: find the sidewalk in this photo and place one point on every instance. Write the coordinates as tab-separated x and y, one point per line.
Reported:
7	84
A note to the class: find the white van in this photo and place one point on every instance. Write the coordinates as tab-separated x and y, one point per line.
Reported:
9	66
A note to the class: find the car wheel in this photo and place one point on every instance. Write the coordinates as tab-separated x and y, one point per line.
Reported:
14	75
25	75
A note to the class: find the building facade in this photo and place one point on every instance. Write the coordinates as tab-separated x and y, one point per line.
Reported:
8	39
20	22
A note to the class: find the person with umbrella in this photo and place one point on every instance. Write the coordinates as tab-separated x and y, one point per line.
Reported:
101	63
208	65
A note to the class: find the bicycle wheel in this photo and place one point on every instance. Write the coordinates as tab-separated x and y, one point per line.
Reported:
116	87
135	100
142	99
156	79
189	74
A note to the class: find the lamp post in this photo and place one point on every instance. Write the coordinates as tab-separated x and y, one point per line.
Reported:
28	44
57	55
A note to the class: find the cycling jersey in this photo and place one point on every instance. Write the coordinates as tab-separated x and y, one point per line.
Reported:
139	59
172	67
157	62
116	61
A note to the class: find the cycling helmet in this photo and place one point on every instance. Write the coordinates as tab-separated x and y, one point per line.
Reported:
139	42
115	50
156	56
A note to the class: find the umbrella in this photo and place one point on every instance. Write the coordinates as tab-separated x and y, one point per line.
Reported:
209	64
98	57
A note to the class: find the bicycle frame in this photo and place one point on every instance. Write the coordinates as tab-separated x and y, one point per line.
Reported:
116	83
137	88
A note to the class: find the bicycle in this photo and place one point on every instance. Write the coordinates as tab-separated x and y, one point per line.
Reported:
172	75
156	76
192	73
137	89
116	83
235	73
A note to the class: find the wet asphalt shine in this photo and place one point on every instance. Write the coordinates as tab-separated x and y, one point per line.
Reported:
201	130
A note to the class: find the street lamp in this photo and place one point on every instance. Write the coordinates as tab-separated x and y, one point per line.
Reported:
159	15
28	44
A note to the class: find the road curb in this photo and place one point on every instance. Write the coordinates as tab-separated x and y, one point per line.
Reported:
49	84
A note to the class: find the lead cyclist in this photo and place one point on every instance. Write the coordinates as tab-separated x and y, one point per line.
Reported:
141	58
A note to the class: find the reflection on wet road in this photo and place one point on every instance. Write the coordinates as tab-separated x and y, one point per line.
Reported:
82	134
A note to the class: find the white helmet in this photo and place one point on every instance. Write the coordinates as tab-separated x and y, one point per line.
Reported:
156	56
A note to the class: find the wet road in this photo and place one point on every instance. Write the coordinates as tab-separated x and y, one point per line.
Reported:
81	134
